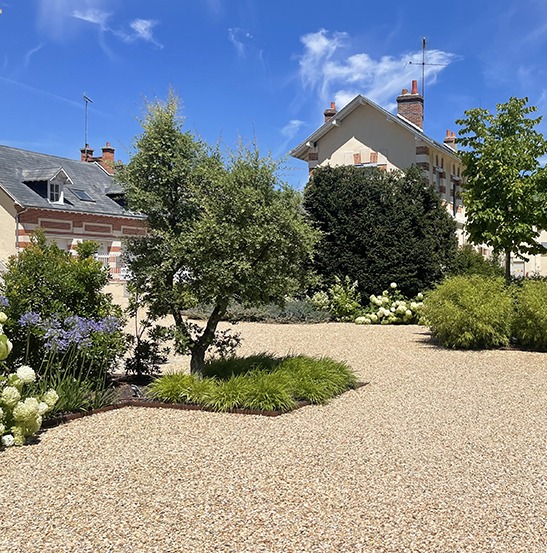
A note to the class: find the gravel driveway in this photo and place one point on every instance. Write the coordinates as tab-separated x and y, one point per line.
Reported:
443	451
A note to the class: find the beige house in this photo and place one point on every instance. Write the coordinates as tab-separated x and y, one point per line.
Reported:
364	134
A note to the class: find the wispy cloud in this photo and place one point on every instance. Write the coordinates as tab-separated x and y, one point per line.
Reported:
243	42
289	131
326	67
58	19
31	52
41	92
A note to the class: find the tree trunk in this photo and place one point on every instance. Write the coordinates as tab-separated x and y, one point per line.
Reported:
200	347
507	265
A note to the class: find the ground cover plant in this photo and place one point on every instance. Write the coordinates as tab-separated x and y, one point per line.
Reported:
260	382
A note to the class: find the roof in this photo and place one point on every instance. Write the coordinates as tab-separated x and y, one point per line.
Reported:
20	166
360	100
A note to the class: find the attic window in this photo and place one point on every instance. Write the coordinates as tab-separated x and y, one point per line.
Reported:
82	195
55	192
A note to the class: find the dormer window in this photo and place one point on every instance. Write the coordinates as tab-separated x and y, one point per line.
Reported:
47	183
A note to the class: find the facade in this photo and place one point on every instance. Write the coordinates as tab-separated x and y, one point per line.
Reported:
364	134
72	200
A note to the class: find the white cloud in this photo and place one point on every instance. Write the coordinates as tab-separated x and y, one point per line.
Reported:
141	29
291	128
328	70
93	15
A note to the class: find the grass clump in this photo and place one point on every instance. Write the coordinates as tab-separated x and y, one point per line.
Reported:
262	382
530	320
470	312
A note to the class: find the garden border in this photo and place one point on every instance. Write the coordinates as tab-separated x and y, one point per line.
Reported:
62	419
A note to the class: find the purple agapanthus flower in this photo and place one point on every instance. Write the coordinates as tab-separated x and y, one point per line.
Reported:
4	302
31	318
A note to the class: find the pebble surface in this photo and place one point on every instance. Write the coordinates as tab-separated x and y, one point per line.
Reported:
444	451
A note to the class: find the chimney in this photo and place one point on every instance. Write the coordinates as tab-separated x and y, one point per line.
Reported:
329	113
411	106
86	153
107	159
450	140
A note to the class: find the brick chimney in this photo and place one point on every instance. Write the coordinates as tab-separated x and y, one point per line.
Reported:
329	113
411	106
86	153
107	160
450	140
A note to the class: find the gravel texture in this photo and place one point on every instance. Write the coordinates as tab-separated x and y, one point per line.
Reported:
443	451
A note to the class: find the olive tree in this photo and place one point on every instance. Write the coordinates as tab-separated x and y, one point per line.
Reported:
218	229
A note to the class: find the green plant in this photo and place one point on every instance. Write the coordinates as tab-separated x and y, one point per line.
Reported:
530	321
469	312
56	308
379	227
261	382
470	262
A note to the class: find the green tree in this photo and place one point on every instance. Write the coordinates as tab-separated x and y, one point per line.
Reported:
506	187
380	227
217	230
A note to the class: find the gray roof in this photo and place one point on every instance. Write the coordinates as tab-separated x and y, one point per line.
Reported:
18	166
359	100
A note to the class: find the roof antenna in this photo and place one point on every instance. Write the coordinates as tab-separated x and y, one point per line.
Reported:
87	100
423	64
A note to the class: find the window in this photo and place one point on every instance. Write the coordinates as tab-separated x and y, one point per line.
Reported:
54	192
82	195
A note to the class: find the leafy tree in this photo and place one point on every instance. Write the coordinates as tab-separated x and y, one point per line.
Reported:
470	262
506	187
380	227
217	230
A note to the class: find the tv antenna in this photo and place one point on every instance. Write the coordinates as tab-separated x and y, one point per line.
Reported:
87	101
423	64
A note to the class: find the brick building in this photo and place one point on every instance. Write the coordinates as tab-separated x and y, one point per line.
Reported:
72	200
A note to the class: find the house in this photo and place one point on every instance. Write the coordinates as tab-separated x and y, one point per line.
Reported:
364	134
72	200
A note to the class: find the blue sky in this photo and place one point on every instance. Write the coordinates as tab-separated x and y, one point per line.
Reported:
245	68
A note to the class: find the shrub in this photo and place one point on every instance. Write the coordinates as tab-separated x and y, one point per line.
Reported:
392	308
470	262
261	382
20	412
469	312
292	311
56	308
530	321
379	227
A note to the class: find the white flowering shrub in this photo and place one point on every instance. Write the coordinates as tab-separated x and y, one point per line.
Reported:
342	299
20	414
392	308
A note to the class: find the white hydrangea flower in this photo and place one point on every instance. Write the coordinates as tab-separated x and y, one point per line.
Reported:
50	397
26	374
393	285
26	411
7	440
408	313
360	320
373	317
10	396
3	317
43	408
420	296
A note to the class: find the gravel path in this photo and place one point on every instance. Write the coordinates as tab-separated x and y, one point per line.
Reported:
444	451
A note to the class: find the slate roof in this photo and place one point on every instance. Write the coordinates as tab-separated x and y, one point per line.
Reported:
17	166
300	150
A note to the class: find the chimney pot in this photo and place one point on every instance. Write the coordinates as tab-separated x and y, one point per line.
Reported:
404	91
329	113
414	87
411	106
